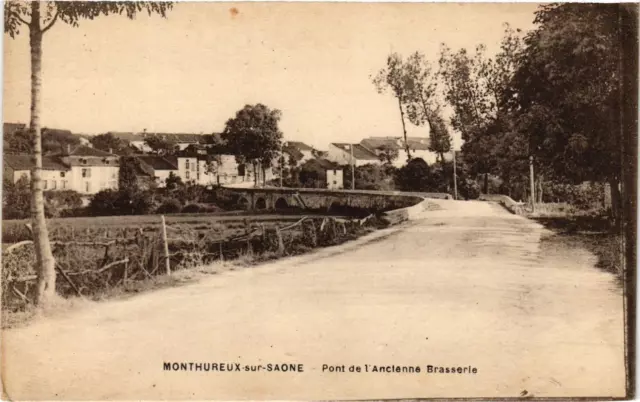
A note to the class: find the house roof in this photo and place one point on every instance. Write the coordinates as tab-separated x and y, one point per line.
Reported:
359	151
157	162
295	152
126	136
327	164
25	162
300	146
177	137
84	150
417	143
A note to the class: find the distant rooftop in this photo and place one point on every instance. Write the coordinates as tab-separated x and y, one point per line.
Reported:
359	152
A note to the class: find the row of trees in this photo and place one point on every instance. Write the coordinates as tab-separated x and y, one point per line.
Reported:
553	94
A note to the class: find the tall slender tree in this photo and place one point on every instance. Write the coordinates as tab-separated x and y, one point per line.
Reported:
393	78
38	18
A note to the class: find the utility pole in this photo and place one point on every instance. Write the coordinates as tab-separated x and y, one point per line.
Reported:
455	178
353	169
281	163
532	184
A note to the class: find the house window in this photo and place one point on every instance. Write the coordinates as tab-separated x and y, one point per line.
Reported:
44	185
86	172
87	186
335	182
187	175
53	184
187	164
64	184
198	176
62	174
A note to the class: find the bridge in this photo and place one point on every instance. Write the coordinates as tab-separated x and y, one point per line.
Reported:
282	198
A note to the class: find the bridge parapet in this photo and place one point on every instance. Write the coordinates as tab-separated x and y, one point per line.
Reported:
271	199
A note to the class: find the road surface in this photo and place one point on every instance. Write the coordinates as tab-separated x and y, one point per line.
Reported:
468	286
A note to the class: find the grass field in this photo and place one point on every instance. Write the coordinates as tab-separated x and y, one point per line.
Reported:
228	223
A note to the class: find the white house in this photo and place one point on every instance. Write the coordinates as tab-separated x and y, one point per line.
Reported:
197	165
92	170
418	147
162	167
335	179
84	169
55	174
347	154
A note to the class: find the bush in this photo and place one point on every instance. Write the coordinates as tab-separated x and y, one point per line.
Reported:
191	208
111	202
469	189
414	176
169	206
104	202
59	203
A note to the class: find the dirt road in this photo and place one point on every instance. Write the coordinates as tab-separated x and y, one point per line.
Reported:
468	286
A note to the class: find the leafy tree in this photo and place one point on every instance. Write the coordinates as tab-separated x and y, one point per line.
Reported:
476	87
370	177
387	154
109	142
15	198
19	141
439	137
159	145
253	136
38	18
567	92
414	176
173	182
128	176
393	78
56	141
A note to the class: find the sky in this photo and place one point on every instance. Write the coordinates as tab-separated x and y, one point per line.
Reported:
193	70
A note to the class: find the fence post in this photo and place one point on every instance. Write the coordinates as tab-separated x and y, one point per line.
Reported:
280	242
165	245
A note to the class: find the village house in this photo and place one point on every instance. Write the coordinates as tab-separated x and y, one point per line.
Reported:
92	170
299	151
158	167
351	154
418	147
199	165
82	169
55	174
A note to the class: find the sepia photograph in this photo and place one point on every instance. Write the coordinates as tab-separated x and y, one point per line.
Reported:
318	201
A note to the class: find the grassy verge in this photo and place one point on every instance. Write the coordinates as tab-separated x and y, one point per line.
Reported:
190	271
593	233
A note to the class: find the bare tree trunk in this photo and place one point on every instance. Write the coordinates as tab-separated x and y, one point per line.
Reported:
46	286
486	183
404	130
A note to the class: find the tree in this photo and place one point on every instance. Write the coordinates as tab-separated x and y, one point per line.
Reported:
173	182
477	87
393	78
387	154
414	176
566	94
38	18
439	137
159	145
110	143
253	136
